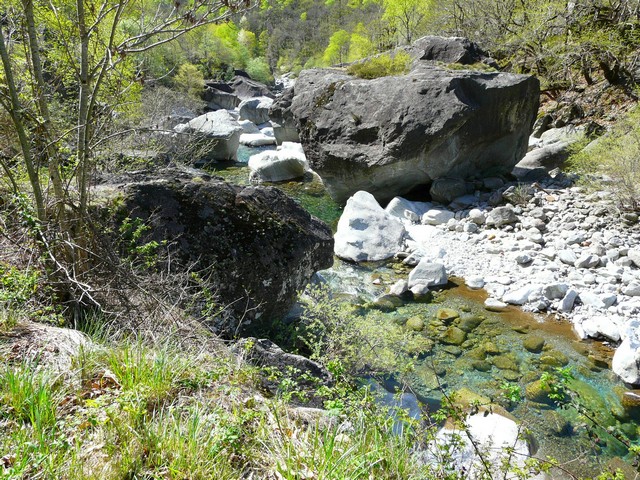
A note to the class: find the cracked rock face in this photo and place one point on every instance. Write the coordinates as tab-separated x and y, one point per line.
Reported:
391	134
255	246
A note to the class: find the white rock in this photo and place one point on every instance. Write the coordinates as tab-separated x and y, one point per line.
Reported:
634	256
555	291
494	305
592	299
632	290
626	360
601	326
567	256
398	207
490	433
366	232
256	140
519	296
248	126
474	282
477	216
255	109
437	216
429	274
470	228
278	165
568	301
587	261
220	126
399	287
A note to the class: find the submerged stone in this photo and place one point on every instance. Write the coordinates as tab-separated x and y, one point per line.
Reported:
533	343
447	315
481	365
470	323
504	362
538	392
453	336
415	323
554	358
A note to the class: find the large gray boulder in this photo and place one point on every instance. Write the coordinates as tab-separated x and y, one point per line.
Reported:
254	248
389	135
255	109
366	232
449	50
221	95
219	131
284	124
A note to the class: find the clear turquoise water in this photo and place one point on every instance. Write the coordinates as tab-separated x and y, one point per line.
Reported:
309	191
580	449
560	432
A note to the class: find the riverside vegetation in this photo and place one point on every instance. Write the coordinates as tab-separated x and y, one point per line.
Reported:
150	393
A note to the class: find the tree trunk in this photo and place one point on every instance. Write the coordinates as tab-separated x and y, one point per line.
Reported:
16	113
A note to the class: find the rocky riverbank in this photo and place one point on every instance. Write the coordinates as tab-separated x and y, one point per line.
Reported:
548	247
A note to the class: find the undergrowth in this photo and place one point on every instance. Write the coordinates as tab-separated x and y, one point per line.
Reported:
613	162
383	65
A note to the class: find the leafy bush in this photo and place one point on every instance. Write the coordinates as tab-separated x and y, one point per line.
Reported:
382	66
189	80
616	156
258	69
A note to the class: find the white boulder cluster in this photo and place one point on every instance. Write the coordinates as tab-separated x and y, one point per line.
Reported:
560	250
249	125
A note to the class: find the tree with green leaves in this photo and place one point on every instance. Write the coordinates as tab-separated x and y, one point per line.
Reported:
82	54
408	17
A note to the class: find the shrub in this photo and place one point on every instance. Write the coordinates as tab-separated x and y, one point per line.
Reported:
382	66
258	69
189	80
615	158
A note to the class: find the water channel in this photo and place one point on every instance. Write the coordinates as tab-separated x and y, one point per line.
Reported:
478	353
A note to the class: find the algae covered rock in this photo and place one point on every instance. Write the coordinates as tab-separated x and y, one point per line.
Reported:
415	323
533	343
453	336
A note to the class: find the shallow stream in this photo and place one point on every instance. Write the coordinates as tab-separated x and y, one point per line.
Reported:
481	354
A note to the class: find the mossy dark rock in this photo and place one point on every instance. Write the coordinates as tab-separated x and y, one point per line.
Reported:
254	246
453	336
533	343
435	122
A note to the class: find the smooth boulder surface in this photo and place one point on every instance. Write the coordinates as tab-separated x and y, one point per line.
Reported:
491	433
256	109
255	246
626	360
429	274
228	95
286	163
391	134
366	232
221	128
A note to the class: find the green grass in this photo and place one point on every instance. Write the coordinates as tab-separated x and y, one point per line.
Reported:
140	411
